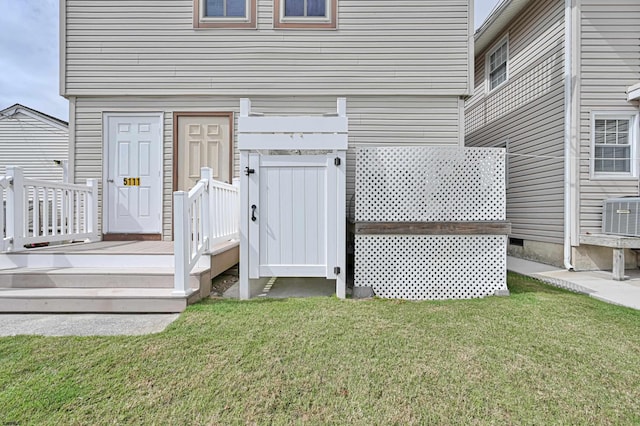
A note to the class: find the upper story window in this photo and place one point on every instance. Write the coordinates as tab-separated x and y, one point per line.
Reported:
320	14
224	13
498	64
614	145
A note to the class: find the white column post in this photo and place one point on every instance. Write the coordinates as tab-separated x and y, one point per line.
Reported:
341	226
92	210
16	211
208	208
243	268
236	209
181	233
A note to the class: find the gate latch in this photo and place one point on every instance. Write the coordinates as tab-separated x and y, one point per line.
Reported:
337	161
248	171
336	270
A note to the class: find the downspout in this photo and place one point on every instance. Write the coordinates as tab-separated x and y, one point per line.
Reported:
568	113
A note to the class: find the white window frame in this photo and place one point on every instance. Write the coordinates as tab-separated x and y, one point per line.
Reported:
247	21
633	142
329	21
487	62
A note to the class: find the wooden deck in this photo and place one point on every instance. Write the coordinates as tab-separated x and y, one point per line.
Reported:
105	276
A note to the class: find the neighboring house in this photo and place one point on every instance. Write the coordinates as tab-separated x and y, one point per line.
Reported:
155	87
557	84
34	141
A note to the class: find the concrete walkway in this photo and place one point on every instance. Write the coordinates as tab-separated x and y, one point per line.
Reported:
597	284
84	324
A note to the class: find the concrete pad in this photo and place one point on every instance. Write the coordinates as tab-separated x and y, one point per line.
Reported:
84	324
597	284
282	288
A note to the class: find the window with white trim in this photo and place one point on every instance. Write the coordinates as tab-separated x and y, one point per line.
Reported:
305	14
224	13
498	64
614	140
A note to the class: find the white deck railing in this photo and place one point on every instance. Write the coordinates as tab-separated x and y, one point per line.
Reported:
37	211
205	216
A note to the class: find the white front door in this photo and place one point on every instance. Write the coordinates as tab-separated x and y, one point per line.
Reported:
133	178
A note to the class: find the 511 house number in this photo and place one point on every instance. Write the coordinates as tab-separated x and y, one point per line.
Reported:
131	181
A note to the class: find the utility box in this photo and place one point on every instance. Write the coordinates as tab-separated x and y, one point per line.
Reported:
621	216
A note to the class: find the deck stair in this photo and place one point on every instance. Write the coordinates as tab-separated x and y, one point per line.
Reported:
113	276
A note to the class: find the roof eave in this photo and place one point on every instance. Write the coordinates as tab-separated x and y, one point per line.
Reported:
499	20
633	93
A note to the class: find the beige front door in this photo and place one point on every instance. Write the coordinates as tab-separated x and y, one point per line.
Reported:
203	141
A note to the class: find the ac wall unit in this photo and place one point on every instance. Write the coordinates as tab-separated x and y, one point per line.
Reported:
621	216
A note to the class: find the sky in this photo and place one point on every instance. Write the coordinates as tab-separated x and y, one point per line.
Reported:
29	53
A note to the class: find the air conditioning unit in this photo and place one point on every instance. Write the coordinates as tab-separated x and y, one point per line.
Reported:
621	216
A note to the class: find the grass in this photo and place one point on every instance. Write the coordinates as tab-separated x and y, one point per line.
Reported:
541	356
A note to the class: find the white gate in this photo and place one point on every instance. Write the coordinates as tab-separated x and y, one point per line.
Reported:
293	204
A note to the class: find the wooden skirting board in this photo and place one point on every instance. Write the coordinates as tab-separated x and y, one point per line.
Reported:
432	228
131	237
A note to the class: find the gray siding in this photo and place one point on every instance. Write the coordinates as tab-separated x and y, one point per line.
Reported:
610	63
33	145
527	112
373	120
149	47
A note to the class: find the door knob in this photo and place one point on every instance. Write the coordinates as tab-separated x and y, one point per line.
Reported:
253	212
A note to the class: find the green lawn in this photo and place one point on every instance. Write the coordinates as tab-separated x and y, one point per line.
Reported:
540	356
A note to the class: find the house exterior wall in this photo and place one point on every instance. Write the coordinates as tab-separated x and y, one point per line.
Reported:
610	64
526	115
373	121
33	145
146	47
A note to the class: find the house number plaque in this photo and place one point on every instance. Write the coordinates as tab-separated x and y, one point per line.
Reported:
132	181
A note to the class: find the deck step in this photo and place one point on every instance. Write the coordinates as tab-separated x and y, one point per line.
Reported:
96	277
88	260
94	300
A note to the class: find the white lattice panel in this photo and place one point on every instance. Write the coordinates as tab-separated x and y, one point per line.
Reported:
431	267
425	184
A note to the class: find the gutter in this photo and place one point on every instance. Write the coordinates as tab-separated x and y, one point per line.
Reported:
568	113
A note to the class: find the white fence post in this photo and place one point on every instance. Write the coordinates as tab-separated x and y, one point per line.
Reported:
181	242
92	209
15	209
206	173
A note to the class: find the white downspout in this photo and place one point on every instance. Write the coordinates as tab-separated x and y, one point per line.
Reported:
568	113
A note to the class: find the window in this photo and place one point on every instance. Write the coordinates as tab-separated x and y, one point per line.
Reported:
614	145
319	14
497	64
224	13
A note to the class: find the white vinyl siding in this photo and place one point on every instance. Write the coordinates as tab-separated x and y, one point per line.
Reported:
527	112
33	145
149	47
373	120
610	64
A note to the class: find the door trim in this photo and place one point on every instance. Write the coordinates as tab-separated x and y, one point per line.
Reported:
176	152
105	165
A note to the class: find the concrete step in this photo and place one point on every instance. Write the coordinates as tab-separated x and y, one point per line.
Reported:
95	300
97	277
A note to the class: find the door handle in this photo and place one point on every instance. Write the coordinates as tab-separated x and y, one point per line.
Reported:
253	212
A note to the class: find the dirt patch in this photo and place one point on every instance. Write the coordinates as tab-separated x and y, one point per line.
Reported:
222	282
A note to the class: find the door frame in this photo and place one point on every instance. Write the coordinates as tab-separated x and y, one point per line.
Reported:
176	130
106	235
